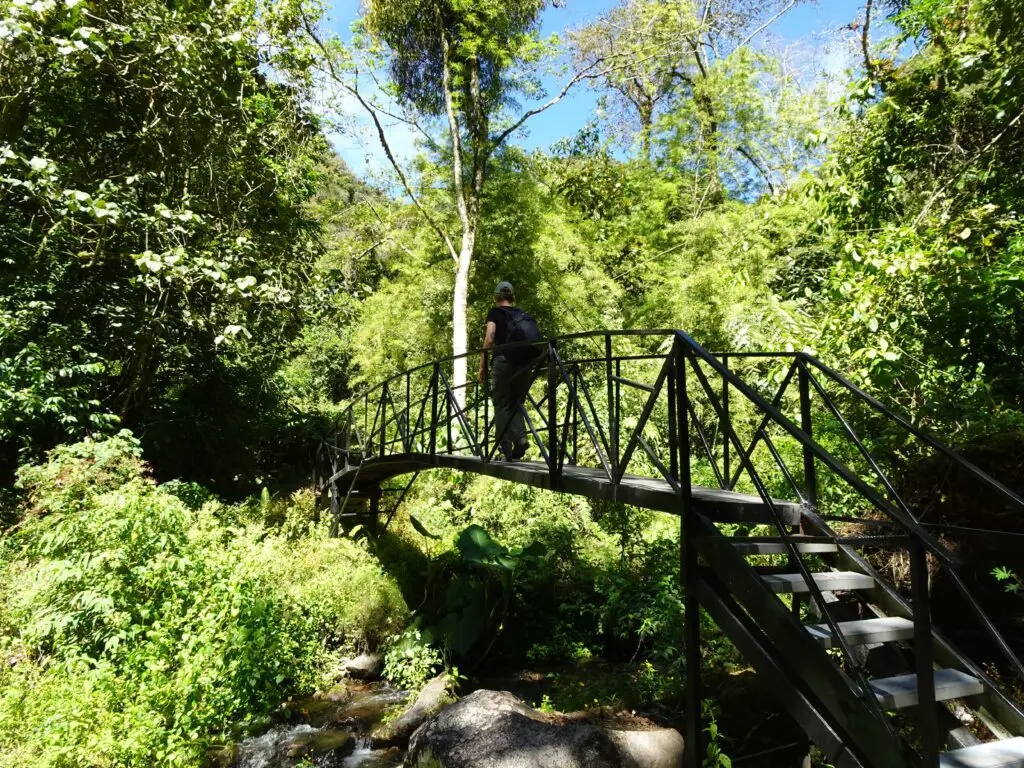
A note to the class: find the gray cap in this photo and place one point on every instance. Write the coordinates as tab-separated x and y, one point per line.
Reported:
504	286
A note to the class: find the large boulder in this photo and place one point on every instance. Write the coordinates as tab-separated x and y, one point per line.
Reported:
364	667
434	697
652	748
493	729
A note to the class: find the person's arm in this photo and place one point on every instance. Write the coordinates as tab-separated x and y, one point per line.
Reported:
489	334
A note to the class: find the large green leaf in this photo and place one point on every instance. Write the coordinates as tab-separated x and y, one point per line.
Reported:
420	529
477	546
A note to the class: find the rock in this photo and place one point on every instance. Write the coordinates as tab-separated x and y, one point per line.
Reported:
339	693
368	704
658	748
493	729
434	697
320	742
364	667
313	710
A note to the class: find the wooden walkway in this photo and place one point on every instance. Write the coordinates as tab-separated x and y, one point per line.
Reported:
650	493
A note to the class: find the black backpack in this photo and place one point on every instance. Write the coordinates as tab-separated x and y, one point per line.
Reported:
521	328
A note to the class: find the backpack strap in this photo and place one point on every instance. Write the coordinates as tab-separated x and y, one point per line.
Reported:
514	315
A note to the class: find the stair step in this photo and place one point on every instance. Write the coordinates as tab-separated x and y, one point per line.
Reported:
757	546
901	691
865	631
826	580
995	754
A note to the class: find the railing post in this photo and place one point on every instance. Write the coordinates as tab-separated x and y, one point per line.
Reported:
807	425
553	415
619	468
726	428
574	408
924	656
613	429
448	393
673	426
383	419
434	385
486	384
688	566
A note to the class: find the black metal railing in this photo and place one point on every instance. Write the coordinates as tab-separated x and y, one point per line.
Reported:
657	404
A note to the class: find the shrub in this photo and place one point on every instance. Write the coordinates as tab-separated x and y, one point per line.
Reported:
412	659
337	584
138	630
80	470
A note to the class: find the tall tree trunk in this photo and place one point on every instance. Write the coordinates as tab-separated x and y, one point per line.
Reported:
460	314
646	110
468	219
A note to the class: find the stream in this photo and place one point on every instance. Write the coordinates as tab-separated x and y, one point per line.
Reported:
326	733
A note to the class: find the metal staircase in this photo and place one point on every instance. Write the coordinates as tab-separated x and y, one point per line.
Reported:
735	444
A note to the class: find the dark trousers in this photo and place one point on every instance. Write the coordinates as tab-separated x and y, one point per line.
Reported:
510	383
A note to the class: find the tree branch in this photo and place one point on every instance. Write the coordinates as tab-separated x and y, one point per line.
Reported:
760	169
584	74
941	190
402	118
771	21
707	12
354	91
865	41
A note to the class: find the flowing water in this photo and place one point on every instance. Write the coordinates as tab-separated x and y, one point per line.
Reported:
364	756
328	734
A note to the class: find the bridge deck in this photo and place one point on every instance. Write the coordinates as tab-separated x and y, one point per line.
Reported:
650	493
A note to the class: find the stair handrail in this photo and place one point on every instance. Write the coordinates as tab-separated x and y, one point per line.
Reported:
909	523
918	432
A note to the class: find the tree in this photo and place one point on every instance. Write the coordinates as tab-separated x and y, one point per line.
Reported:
699	90
456	66
919	291
153	190
637	28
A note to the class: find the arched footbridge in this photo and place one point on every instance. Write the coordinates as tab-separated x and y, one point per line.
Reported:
778	534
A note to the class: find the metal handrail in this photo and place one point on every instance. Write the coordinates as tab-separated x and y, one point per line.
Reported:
921	434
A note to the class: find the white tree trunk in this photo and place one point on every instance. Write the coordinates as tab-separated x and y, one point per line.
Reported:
460	310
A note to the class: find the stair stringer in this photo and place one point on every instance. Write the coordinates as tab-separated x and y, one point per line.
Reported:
823	699
886	600
758	650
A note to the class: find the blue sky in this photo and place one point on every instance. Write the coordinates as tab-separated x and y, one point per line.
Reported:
815	36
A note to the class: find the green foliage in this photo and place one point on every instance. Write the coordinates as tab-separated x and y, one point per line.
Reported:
143	630
466	597
76	473
153	206
714	756
412	658
484	38
918	286
1011	582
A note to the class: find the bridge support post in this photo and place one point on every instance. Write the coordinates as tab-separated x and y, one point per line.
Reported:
554	454
374	522
679	438
924	656
691	646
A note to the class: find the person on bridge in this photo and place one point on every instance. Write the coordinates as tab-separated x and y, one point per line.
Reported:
512	371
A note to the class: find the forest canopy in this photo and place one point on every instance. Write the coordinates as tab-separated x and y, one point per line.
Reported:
184	256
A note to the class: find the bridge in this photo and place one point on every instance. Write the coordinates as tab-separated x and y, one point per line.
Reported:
736	444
